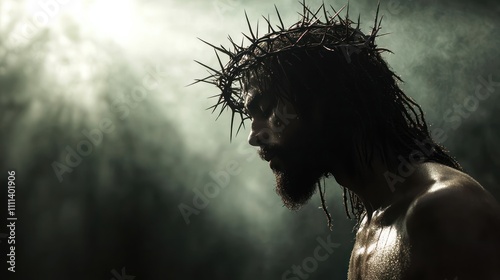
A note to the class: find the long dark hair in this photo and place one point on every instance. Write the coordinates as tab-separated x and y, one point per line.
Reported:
332	61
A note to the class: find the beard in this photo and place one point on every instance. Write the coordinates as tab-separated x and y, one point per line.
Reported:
297	172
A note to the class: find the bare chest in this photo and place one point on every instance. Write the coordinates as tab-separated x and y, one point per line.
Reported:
380	253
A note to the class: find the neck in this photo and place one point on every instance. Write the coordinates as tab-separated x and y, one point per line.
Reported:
369	184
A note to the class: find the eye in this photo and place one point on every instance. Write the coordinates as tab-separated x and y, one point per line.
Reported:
266	110
276	120
267	107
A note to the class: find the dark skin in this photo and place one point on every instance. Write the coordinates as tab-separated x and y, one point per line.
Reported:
438	223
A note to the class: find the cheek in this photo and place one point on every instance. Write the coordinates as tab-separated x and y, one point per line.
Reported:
289	133
289	130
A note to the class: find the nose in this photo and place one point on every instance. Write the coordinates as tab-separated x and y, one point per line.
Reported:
259	136
253	138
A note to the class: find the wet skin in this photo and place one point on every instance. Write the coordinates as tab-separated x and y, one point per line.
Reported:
443	226
439	223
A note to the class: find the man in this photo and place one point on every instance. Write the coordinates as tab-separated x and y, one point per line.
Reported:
323	102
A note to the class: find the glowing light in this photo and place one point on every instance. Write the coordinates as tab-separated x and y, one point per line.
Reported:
110	19
113	18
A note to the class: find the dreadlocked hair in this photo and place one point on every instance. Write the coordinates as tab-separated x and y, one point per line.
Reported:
332	61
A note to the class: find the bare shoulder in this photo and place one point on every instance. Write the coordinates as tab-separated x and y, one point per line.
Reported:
453	195
454	228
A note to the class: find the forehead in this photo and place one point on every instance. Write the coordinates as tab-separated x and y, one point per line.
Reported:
254	96
257	90
250	88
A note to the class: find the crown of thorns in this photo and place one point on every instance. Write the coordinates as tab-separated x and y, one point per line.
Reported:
333	34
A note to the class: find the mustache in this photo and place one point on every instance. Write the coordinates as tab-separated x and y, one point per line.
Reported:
292	154
268	152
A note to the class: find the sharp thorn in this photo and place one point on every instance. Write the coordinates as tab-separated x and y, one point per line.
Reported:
223	50
206	66
249	26
279	17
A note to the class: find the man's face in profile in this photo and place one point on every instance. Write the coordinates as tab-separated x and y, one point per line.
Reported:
288	142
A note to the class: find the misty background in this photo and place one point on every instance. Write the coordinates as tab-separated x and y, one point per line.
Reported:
110	147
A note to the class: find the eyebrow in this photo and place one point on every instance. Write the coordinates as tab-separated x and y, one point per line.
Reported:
252	102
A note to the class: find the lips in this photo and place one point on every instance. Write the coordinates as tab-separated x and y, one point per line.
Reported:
267	154
273	157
